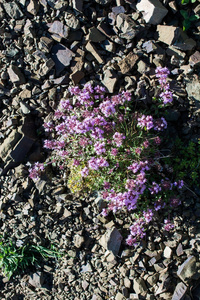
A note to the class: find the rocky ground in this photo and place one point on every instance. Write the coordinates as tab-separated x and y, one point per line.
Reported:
45	46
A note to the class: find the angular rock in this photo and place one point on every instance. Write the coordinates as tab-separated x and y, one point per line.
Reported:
92	49
72	22
46	67
127	26
76	76
111	240
139	286
108	46
180	291
78	241
16	75
188	269
149	46
128	63
194	59
118	10
175	36
179	250
45	44
33	7
103	2
59	28
36	279
95	35
167	252
193	89
119	296
109	80
78	5
13	10
9	143
153	11
61	56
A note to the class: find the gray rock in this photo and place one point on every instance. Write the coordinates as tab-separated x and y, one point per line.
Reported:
78	5
180	291
59	28
139	286
92	49
95	35
46	67
78	241
86	268
153	11
128	63
45	44
194	59
36	279
72	22
119	296
16	75
111	240
109	80
175	36
149	46
9	143
188	269
33	7
179	250
128	27
193	89
62	57
108	46
103	2
13	10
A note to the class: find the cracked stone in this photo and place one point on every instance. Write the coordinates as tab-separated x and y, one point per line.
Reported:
128	63
60	29
16	75
153	11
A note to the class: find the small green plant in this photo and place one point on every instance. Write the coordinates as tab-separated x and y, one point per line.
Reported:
184	2
188	19
186	162
13	258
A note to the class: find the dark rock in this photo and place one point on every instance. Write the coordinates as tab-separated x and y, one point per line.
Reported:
61	56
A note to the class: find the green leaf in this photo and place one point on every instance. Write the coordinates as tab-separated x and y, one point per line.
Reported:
186	25
194	18
193	1
184	2
184	13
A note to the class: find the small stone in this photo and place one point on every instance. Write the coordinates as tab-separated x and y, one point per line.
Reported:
179	250
180	291
13	10
111	240
95	35
188	269
85	285
76	76
36	279
60	29
9	143
119	296
78	5
62	57
72	22
25	94
127	64
149	46
78	241
33	7
139	286
108	46
46	67
103	2
16	75
92	49
45	44
109	80
167	252
153	11
194	59
86	268
127	26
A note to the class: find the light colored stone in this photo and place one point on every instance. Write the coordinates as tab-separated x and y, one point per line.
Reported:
33	7
16	75
13	10
109	80
59	28
92	49
167	252
127	27
180	291
111	240
9	143
188	269
139	286
153	11
128	63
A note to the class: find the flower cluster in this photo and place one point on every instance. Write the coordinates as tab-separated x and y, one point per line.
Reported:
166	95
109	147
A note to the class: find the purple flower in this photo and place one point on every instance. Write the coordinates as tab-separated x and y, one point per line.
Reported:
175	202
148	215
160	124
167	96
99	148
159	204
107	108
168	225
114	151
92	164
118	138
84	172
155	188
145	122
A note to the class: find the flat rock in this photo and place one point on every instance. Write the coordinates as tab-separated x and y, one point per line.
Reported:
127	64
13	10
103	2
59	28
36	279
95	35
153	11
33	7
92	49
15	75
188	269
180	291
194	59
78	5
167	252
111	240
9	143
139	286
46	67
109	80
193	89
175	36
61	56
